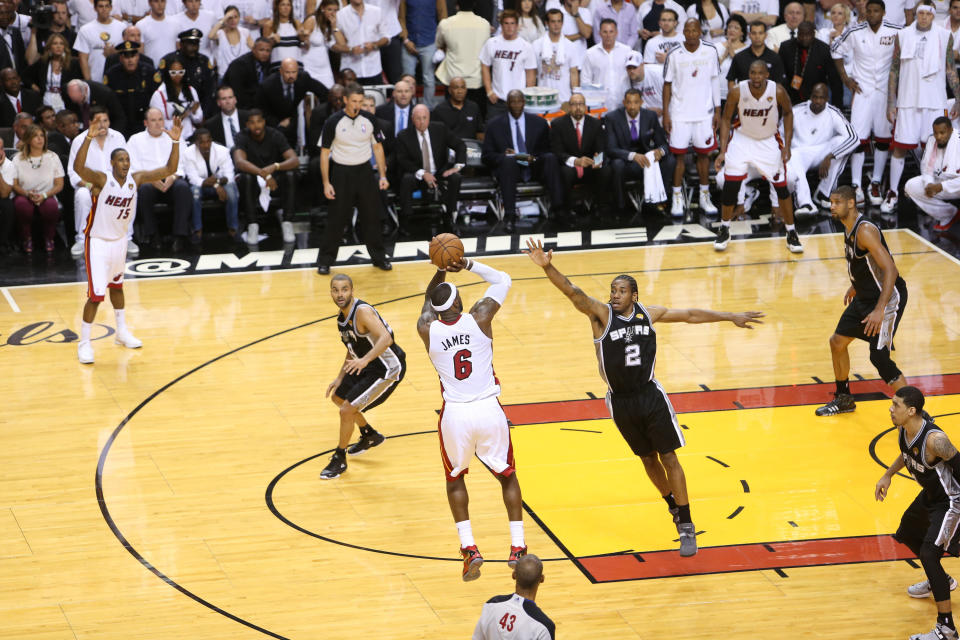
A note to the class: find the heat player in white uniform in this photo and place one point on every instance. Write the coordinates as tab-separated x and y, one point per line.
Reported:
471	421
756	144
108	220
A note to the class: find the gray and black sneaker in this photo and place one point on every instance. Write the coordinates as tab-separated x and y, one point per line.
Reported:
939	632
688	539
337	465
841	403
365	442
723	238
922	589
793	242
675	513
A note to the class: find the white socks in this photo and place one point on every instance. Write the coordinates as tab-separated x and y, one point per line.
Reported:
896	171
725	223
121	321
879	162
466	534
789	227
704	188
85	328
856	167
677	190
516	533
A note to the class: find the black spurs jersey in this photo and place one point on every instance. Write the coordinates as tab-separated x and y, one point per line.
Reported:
360	344
627	350
936	479
865	274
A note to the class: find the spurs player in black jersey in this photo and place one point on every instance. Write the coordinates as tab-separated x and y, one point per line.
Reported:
626	345
373	367
931	524
875	301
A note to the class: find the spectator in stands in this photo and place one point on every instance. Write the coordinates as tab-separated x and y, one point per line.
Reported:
13	52
758	50
508	62
46	117
391	55
319	116
16	99
262	153
176	97
60	25
229	121
159	31
130	11
193	17
362	27
648	18
252	13
150	150
809	59
20	123
65	129
461	37
418	24
656	48
558	60
730	46
839	16
248	72
82	96
951	23
39	180
211	176
766	11
605	62
577	22
285	31
50	74
229	40
130	34
632	132
397	111
8	173
530	26
424	163
322	37
81	12
713	17
526	618
460	114
132	81
792	17
516	147
624	14
200	73
281	93
578	142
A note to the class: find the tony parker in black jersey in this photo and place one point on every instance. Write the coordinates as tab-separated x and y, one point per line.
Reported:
626	343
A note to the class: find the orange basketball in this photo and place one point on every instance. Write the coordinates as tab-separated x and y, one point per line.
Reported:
444	249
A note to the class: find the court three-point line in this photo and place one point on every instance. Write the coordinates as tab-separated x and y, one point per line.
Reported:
10	300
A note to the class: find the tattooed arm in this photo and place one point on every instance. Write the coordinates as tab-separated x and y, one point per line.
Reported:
893	81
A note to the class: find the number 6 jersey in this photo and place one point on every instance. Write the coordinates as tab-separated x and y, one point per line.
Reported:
113	209
627	350
463	357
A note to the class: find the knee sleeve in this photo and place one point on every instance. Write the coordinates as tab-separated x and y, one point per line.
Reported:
783	193
731	188
881	146
887	368
930	558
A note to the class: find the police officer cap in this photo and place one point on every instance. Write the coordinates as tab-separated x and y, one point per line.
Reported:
191	34
128	47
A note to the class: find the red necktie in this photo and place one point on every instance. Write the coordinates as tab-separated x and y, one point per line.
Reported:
19	109
579	138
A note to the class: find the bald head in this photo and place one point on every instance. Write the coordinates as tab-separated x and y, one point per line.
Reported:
420	116
289	70
528	573
402	93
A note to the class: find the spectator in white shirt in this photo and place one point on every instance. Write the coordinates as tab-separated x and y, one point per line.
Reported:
577	22
624	14
177	97
81	12
159	32
228	40
531	27
766	11
604	64
507	62
193	17
655	51
98	39
150	150
648	18
792	17
361	26
558	61
210	173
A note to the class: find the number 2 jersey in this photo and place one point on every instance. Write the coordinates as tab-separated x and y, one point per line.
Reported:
462	354
627	350
113	209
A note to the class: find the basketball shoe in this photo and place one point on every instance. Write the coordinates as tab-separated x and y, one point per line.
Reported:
688	539
336	466
723	238
515	554
85	352
939	632
675	514
793	242
127	339
922	589
366	441
471	562
841	403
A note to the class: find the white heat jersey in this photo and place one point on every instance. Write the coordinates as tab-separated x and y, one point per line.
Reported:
922	60
113	209
870	54
759	117
509	61
692	76
827	129
463	357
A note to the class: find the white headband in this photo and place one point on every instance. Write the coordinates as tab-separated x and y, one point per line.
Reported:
449	303
924	7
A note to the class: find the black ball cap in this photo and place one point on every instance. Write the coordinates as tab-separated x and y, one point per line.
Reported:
191	34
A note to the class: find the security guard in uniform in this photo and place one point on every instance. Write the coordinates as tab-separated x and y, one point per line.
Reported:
133	82
201	72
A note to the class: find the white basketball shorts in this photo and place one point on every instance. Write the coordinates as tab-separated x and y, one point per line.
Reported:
868	116
914	126
699	135
106	262
475	428
763	155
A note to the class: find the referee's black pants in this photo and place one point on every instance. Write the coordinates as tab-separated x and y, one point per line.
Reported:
354	186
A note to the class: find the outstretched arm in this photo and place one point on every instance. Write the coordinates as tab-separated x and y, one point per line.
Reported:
144	177
486	307
593	308
743	320
96	178
427	314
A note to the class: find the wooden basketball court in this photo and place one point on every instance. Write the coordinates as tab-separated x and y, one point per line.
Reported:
174	491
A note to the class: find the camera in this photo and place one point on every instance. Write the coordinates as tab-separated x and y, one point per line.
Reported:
41	15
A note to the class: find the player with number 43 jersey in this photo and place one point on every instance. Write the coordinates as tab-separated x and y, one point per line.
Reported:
626	345
471	421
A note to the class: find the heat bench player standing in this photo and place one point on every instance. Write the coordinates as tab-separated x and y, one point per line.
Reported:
756	145
108	222
472	422
373	367
626	344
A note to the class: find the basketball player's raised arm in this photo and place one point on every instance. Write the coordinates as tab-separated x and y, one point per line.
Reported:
146	177
427	314
486	307
786	109
96	178
723	137
369	323
868	238
743	320
598	312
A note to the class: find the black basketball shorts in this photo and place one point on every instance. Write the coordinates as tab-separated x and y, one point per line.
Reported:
851	322
646	419
369	389
930	522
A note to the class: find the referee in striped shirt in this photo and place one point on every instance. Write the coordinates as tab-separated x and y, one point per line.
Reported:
348	140
516	615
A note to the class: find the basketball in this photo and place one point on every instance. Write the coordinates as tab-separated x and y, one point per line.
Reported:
444	249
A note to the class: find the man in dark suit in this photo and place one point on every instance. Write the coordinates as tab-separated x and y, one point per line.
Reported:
280	94
632	131
460	115
13	51
517	147
319	115
396	114
247	73
809	59
576	139
423	161
229	121
16	99
82	95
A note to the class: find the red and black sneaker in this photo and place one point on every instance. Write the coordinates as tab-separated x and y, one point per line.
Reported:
471	562
515	554
946	225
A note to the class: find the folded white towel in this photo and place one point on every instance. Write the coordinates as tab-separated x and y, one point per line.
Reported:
653	190
264	194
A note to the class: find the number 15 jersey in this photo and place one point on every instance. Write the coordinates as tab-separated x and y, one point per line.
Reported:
113	209
462	354
627	350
